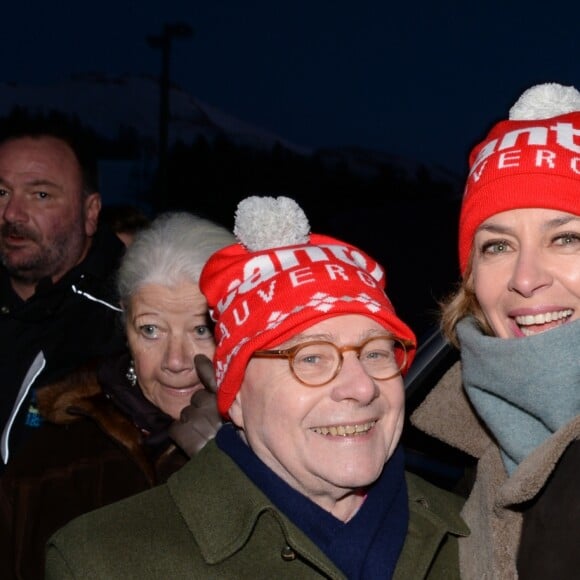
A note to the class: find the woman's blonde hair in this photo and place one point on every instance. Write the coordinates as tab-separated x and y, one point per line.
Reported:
460	303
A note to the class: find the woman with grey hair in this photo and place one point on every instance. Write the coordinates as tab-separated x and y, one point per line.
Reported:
106	427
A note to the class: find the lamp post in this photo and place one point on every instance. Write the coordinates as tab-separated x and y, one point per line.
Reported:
163	42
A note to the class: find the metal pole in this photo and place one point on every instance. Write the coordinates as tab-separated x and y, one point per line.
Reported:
163	42
164	115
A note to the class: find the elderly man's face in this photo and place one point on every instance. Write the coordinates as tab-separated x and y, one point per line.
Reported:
329	440
45	221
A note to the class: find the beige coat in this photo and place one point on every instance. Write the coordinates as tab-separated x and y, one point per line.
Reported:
490	552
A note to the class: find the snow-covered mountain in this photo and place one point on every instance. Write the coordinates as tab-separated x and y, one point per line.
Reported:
109	104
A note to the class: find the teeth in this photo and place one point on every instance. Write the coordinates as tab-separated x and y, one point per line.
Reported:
345	430
530	319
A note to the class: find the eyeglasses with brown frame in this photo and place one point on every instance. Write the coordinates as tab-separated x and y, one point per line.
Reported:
316	363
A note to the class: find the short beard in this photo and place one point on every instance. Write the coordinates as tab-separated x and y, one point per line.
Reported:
47	260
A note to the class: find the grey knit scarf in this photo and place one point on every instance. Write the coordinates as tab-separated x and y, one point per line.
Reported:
524	389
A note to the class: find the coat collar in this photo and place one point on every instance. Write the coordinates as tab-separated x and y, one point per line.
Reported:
447	414
222	521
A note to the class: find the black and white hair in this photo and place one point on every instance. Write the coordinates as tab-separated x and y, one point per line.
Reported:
173	248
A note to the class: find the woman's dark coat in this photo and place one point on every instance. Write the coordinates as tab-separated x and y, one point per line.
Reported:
87	454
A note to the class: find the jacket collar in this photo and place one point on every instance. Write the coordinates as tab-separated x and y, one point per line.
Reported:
99	264
447	414
223	511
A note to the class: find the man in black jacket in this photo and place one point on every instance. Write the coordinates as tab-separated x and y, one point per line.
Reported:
58	307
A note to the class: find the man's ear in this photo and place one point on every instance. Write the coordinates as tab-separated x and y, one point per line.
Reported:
235	411
92	208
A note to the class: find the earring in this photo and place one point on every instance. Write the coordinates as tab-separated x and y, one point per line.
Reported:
131	375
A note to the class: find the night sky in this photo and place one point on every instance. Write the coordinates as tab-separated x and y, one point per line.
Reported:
424	79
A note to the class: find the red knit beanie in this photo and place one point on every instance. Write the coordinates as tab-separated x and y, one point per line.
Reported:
279	280
532	160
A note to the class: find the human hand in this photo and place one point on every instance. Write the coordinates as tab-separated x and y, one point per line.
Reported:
200	420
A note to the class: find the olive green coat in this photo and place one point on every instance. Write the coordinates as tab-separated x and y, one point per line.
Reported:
210	521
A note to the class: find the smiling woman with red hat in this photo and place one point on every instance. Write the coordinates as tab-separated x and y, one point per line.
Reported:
515	318
306	478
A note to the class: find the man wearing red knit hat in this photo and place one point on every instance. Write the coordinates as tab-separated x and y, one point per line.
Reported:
306	477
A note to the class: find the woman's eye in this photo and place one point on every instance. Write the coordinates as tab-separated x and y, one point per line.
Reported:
148	330
494	247
203	331
567	239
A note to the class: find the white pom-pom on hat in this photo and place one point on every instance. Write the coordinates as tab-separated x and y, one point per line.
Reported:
270	222
545	101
